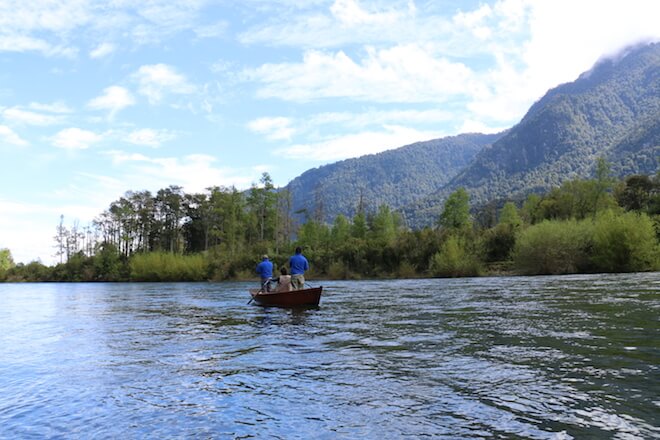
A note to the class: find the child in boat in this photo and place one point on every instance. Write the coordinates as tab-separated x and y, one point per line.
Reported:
284	281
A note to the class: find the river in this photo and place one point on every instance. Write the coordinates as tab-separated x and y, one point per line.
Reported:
512	357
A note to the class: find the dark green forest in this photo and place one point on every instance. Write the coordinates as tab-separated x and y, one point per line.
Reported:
611	111
582	226
395	177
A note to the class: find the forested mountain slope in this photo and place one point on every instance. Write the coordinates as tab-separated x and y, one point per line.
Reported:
612	111
395	177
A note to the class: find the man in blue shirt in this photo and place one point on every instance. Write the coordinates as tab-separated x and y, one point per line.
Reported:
265	271
299	265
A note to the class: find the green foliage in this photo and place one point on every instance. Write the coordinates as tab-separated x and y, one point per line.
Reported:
34	272
338	270
163	266
553	247
108	265
455	259
6	263
637	193
625	243
384	225
499	242
359	229
509	216
456	212
581	236
611	112
395	177
314	235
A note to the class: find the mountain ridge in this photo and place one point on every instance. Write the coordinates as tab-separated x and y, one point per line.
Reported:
611	111
394	177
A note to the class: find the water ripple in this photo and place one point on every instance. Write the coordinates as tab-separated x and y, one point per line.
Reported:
530	357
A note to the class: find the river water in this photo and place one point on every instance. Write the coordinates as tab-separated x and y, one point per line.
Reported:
524	357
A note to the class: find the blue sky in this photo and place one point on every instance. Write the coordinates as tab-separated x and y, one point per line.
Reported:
101	97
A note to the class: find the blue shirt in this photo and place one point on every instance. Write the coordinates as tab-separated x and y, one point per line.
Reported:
298	264
265	269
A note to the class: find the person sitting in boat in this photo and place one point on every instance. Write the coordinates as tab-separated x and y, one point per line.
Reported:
298	264
265	271
284	281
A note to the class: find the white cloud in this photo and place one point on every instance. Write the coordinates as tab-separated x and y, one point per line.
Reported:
194	172
20	116
157	80
149	137
27	26
347	22
381	117
407	73
358	144
7	135
277	128
283	128
516	50
46	26
114	99
22	43
75	139
102	50
214	30
55	107
351	13
44	15
474	126
564	38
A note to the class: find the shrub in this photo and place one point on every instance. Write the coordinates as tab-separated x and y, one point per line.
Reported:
455	259
499	242
553	247
338	271
406	270
624	243
163	266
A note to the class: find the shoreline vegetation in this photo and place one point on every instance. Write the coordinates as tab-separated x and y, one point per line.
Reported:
585	226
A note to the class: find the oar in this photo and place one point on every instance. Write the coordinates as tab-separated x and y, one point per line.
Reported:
260	290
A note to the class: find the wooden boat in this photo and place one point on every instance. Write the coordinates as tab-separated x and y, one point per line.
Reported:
292	298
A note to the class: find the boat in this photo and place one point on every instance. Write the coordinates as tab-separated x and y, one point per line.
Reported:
292	298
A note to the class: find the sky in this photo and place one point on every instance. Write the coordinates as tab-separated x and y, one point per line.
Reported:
101	97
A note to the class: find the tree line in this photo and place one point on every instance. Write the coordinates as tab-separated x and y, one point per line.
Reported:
585	225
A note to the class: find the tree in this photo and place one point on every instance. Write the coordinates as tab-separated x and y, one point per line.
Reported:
455	259
456	212
61	239
169	210
6	260
509	216
262	206
341	231
635	194
603	184
384	225
531	209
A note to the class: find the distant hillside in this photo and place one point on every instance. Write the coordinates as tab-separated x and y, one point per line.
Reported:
613	111
638	150
395	177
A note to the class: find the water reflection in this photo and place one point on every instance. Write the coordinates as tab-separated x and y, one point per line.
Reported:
536	357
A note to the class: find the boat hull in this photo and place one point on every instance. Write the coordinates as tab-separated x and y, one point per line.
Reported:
294	298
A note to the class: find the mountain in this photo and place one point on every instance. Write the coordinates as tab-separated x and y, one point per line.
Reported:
613	110
395	177
638	151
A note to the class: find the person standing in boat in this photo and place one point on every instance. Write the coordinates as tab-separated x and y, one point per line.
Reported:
265	271
298	264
